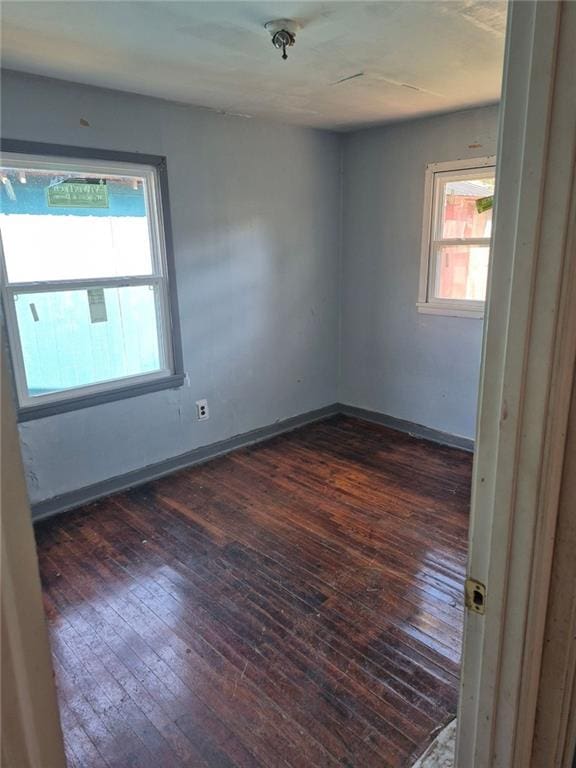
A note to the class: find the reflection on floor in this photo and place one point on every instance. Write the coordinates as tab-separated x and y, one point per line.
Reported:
296	603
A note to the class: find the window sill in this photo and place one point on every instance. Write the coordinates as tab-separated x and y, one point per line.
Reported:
42	410
449	310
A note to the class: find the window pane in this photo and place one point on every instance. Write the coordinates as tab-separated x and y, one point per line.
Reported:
77	338
460	218
462	272
59	225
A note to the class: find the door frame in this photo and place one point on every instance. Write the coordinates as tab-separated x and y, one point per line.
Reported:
528	367
555	729
30	721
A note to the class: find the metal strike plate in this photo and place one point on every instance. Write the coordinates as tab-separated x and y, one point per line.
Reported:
475	596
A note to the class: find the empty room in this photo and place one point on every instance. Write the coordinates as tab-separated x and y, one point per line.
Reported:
245	256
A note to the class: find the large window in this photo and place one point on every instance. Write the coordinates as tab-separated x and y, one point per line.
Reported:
85	278
456	237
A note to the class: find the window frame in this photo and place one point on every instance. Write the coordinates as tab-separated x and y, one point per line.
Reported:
437	173
154	169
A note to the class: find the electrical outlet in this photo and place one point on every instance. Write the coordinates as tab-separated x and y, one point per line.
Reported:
202	411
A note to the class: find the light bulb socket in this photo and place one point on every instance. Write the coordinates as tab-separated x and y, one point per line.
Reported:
283	33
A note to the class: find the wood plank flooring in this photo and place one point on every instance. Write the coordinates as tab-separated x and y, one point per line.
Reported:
293	604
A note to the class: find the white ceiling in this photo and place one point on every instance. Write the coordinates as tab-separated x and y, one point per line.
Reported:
411	58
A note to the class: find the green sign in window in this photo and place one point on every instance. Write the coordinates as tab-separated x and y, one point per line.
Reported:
484	203
78	194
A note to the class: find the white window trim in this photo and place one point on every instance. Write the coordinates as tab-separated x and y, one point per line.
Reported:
170	374
427	303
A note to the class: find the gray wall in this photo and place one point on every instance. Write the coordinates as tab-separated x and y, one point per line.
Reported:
255	212
261	247
422	368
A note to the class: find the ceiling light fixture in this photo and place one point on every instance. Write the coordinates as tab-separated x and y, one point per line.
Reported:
283	33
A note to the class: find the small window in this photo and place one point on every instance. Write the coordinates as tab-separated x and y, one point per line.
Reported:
456	237
85	279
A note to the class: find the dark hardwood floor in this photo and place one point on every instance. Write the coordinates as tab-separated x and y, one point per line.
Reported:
296	603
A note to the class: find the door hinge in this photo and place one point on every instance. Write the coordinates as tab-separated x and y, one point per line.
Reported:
475	596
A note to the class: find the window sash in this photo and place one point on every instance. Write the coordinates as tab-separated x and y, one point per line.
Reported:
53	286
461	241
154	217
158	279
434	271
440	180
438	174
162	330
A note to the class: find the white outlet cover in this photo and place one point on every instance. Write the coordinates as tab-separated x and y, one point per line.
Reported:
202	411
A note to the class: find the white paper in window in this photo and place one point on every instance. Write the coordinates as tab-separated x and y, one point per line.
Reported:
97	305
